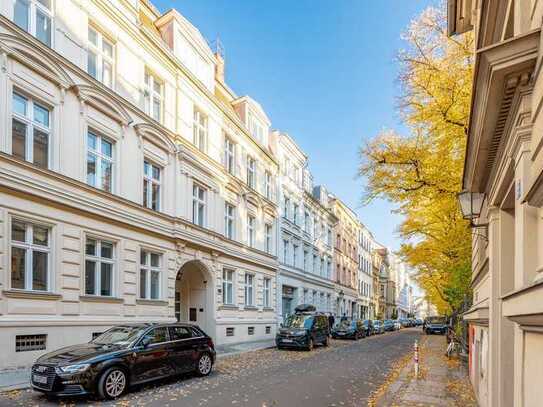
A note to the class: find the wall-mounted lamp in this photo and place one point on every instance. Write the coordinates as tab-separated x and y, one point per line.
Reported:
471	205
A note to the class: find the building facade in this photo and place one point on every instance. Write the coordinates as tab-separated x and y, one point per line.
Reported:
347	233
504	170
135	185
366	246
306	238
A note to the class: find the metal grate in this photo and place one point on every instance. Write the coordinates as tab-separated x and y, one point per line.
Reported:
25	343
229	331
268	330
251	330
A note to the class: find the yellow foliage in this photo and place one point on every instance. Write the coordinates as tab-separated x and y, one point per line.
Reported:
422	171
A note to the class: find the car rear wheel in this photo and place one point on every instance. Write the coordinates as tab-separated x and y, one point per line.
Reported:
205	364
112	383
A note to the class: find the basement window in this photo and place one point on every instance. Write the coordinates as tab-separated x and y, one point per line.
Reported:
230	331
26	343
96	335
251	330
268	330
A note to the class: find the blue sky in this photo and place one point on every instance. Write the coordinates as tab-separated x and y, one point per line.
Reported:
325	73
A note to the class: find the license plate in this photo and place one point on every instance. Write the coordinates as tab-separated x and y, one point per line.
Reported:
287	340
39	379
341	333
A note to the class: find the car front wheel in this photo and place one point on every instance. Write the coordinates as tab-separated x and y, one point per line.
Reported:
112	383
205	364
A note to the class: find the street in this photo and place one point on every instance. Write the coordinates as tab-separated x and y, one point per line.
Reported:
345	374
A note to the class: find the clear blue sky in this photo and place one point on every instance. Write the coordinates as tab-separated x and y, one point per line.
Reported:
323	70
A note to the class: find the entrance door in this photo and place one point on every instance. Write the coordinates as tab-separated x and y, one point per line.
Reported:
287	306
197	311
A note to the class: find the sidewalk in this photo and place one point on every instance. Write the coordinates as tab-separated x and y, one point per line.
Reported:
18	378
441	382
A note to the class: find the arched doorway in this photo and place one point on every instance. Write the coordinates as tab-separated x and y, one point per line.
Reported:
194	296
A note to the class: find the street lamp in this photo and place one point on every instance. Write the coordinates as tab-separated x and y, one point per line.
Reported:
471	204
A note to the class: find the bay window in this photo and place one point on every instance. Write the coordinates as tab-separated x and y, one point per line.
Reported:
30	250
30	130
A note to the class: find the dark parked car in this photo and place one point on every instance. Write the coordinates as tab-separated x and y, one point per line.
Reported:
378	327
388	325
368	325
304	329
435	325
122	356
349	329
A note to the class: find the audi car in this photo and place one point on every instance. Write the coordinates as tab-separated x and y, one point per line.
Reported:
122	356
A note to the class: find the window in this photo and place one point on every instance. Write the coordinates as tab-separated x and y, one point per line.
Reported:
322	269
307	222
229	219
153	96
268	236
198	205
286	206
268	184
295	213
30	131
249	289
199	129
228	287
315	263
99	261
229	155
34	16
99	162
230	331
26	343
251	231
268	330
30	248
179	332
149	275
151	186
251	172
100	57
250	330
295	255
329	237
96	335
306	260
285	251
157	335
267	293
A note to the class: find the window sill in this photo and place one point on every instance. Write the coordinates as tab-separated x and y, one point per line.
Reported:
100	298
250	308
31	295
268	309
145	301
228	306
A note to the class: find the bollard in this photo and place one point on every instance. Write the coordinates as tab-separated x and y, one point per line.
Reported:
416	359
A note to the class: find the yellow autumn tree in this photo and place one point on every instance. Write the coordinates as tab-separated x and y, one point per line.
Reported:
421	171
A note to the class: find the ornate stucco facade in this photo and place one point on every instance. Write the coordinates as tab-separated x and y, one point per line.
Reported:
504	161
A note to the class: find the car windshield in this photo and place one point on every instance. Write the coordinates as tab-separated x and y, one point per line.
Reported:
119	335
299	321
436	320
343	324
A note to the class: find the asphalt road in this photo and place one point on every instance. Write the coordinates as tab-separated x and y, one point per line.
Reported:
345	374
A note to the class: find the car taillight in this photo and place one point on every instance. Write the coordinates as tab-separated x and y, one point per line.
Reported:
210	343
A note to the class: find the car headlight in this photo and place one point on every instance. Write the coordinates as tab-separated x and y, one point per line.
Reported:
73	368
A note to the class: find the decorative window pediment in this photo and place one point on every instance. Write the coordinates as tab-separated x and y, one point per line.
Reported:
104	102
